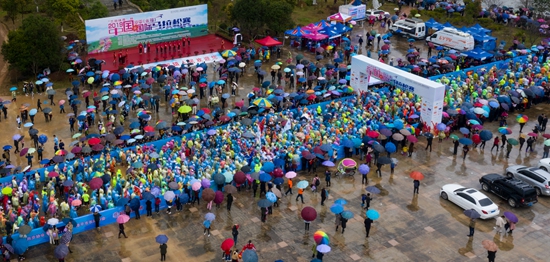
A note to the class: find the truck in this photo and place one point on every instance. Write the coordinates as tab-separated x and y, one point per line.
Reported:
452	38
410	27
516	192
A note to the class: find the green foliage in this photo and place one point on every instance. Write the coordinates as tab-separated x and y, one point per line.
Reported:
60	9
541	5
96	10
473	8
14	7
34	46
255	15
413	12
485	21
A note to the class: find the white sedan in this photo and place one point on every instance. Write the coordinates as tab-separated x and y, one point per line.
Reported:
544	164
470	198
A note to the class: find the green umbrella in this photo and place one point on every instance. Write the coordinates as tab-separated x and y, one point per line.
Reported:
547	142
299	57
513	141
454	137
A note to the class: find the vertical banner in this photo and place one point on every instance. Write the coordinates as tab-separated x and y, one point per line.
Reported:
119	32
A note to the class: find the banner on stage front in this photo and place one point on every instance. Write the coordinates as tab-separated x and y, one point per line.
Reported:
119	32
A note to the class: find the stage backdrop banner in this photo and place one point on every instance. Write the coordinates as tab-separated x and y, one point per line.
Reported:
119	32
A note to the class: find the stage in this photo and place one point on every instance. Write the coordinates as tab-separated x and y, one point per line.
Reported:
202	49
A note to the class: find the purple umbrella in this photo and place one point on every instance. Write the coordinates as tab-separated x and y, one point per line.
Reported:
336	93
205	183
385	131
61	251
364	169
328	163
218	199
342	81
155	191
211	132
16	137
511	216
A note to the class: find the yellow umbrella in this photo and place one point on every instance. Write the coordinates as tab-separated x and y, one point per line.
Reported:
7	191
184	109
275	67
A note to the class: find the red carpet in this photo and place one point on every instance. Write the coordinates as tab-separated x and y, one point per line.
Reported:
199	45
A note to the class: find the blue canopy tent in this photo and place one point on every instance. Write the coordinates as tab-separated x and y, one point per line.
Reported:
340	28
322	24
478	54
485	42
448	25
297	32
467	30
481	29
431	23
331	33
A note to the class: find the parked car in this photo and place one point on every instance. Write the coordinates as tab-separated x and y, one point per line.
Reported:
513	190
533	176
544	164
470	198
374	12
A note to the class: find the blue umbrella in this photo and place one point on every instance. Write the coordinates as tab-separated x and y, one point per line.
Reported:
268	167
485	135
271	197
464	130
44	161
161	239
264	177
95	208
341	201
42	139
250	255
7	147
471	213
134	203
29	124
373	214
390	147
33	112
337	209
302	184
373	189
278	181
347	214
465	141
20	246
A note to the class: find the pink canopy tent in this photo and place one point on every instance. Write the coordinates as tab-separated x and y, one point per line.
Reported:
339	17
315	36
312	28
268	41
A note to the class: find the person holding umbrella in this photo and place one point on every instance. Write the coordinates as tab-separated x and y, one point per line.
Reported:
368	222
491	249
206	224
465	150
121	230
163	249
324	196
472	227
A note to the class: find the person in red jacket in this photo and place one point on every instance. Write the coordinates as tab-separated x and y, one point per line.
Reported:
247	246
140	48
157	205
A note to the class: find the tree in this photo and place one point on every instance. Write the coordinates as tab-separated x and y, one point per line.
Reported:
34	46
97	10
540	6
249	14
60	9
13	8
278	16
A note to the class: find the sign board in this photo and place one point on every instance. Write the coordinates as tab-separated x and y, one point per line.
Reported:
119	32
356	12
432	93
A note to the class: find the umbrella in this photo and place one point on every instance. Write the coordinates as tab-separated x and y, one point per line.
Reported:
373	214
250	255
328	163
513	141
169	195
264	203
465	141
471	213
347	214
291	174
161	239
210	216
227	244
373	190
511	216
337	208
271	197
208	194
53	221
321	237
489	245
122	218
364	169
416	175
323	248
230	189
24	230
96	183
61	251
308	213
384	160
95	208
302	184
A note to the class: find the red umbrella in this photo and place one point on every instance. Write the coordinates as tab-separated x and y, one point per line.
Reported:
96	183
306	152
533	134
206	110
227	244
86	94
256	89
218	198
416	175
309	213
476	138
53	174
277	172
94	141
239	177
373	134
149	129
412	139
546	135
224	118
239	103
150	80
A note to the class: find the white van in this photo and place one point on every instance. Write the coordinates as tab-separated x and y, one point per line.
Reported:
410	27
452	38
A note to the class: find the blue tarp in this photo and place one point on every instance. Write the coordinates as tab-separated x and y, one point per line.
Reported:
448	25
431	23
485	42
328	31
481	29
478	54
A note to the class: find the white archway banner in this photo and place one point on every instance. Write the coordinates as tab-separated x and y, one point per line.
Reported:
432	93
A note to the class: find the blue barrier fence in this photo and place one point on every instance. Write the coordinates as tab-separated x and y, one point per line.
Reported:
84	223
498	64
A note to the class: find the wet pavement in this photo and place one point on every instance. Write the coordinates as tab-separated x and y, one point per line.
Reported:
411	228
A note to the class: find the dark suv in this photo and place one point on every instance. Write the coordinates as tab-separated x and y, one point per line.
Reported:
515	191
